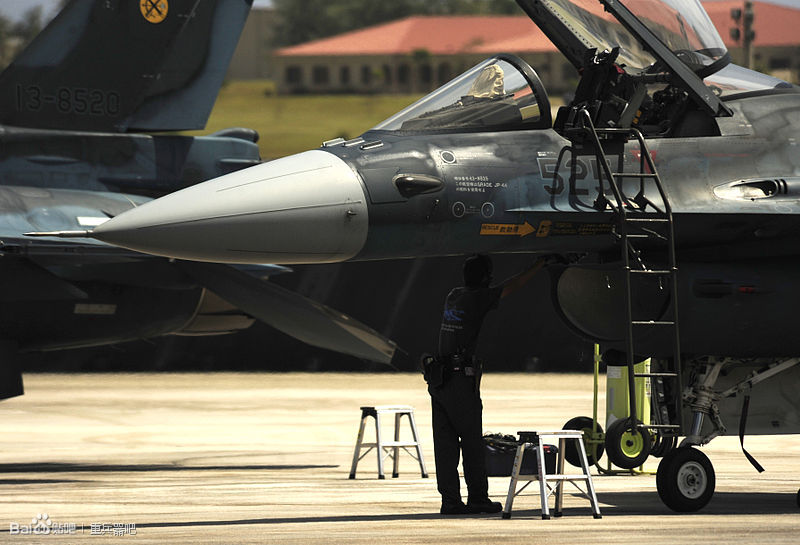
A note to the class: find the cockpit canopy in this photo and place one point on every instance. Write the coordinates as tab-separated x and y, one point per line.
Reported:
682	25
500	93
651	41
685	28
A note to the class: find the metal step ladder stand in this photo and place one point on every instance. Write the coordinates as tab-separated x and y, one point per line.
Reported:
388	448
634	223
529	439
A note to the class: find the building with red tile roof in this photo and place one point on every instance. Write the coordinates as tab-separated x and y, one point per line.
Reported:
775	25
439	35
415	54
419	53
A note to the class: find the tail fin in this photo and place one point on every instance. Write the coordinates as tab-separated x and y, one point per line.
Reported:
124	65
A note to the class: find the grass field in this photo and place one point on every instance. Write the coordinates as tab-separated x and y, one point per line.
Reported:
290	124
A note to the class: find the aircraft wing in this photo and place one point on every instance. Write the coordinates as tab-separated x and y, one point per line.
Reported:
243	287
49	273
291	313
124	66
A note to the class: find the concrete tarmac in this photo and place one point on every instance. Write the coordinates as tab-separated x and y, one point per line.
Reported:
265	458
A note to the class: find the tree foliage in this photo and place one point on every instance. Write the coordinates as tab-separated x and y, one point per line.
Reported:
300	21
15	36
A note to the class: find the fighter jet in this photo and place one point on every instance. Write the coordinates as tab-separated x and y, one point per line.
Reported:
669	186
74	108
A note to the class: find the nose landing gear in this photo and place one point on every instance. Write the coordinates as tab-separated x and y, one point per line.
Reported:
685	480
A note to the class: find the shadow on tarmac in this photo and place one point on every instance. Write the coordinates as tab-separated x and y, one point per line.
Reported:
39	481
54	467
722	503
305	520
623	503
649	504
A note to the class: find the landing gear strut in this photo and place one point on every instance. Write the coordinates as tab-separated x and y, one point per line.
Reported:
685	477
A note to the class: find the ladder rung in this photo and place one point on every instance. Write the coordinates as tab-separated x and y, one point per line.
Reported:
561	477
652	322
386	444
647	220
636	235
655	375
661	426
650	271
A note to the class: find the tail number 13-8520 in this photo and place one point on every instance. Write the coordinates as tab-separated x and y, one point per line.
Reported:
68	100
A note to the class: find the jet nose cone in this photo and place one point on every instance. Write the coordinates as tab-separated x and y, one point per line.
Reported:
306	208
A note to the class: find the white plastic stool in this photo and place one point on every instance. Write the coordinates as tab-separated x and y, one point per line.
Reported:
387	448
534	438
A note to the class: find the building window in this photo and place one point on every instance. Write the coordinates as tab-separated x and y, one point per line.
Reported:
320	75
344	75
425	74
387	74
403	74
366	74
294	74
780	63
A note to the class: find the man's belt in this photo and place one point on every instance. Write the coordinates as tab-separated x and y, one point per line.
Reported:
468	371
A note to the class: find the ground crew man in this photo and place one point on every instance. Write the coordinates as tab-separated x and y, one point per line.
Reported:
453	383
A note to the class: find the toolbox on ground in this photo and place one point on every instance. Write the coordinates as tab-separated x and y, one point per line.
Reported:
500	451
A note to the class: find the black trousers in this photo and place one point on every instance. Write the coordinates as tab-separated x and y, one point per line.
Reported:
457	424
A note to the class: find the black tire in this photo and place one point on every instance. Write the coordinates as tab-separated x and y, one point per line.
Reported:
594	452
663	445
627	445
685	480
798	498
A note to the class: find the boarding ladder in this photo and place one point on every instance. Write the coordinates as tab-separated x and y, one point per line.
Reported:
639	222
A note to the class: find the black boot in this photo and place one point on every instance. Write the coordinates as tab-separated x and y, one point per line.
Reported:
484	505
454	509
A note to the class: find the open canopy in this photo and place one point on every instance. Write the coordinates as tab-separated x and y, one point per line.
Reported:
578	26
671	37
685	28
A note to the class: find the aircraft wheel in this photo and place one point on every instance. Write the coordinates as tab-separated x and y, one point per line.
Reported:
627	445
594	451
685	480
663	445
798	498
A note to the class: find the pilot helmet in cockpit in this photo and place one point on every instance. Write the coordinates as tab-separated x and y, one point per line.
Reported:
489	83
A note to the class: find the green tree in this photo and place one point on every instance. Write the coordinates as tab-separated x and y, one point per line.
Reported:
14	37
470	7
5	41
300	21
29	26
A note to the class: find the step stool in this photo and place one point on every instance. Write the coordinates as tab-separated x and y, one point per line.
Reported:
387	448
534	438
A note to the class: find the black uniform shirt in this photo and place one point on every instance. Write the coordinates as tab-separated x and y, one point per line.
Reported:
464	310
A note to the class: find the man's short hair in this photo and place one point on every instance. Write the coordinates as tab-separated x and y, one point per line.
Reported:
477	271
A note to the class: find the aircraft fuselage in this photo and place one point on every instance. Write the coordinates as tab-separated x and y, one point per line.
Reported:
509	192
